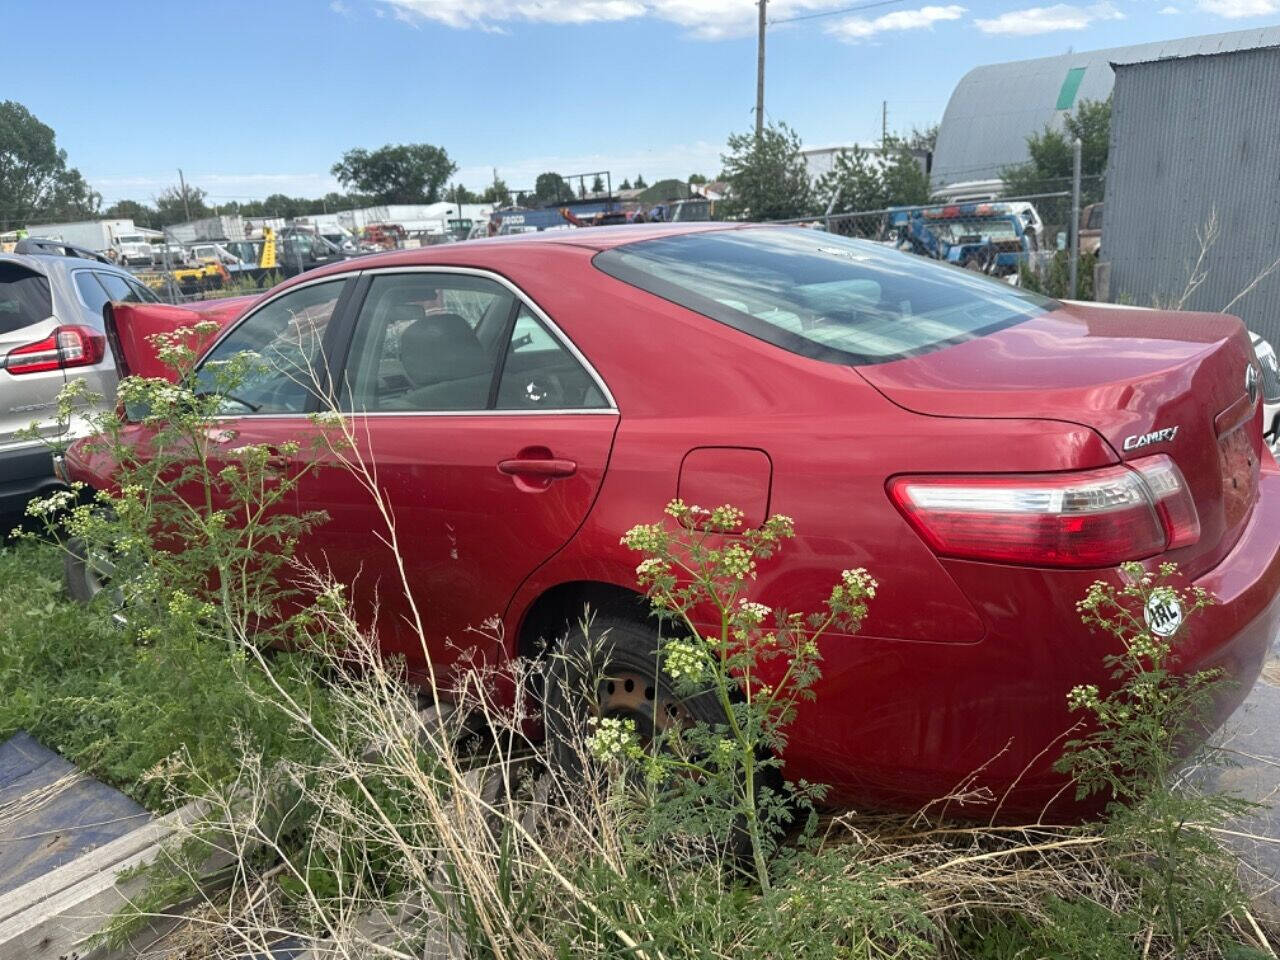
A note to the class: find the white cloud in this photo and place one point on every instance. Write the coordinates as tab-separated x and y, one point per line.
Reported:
340	8
859	28
1169	11
1061	16
1239	9
704	19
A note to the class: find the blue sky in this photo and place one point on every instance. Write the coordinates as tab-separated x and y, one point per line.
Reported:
252	98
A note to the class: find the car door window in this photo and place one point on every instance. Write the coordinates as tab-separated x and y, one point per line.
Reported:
119	290
92	293
541	373
272	362
427	342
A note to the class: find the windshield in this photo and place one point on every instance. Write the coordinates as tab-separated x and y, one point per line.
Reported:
131	238
822	296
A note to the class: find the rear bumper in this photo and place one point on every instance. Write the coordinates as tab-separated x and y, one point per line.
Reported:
906	723
25	472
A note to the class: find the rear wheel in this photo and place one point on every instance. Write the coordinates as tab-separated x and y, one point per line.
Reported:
614	670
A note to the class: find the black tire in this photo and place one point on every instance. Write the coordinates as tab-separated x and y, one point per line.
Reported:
589	676
84	580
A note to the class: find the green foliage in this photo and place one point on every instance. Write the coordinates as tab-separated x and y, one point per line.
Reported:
861	181
551	188
119	706
1137	733
35	181
640	182
767	176
396	173
1050	165
759	666
1053	278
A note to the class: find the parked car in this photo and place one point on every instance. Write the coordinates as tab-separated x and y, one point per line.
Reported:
51	329
985	452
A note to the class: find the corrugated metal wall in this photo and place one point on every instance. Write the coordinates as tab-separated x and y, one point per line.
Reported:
1192	138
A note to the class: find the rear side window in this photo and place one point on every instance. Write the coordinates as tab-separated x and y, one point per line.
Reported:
822	296
127	291
91	292
24	298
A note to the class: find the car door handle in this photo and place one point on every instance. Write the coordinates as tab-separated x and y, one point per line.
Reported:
547	467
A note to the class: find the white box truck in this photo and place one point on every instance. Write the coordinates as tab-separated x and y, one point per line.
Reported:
96	235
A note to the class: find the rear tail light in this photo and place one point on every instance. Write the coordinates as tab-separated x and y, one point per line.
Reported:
67	346
1094	518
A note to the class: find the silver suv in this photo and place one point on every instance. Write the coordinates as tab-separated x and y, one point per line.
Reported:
51	331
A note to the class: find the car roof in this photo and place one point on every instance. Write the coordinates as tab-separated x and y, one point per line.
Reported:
45	262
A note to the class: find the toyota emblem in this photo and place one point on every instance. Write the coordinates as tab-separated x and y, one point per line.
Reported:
1251	382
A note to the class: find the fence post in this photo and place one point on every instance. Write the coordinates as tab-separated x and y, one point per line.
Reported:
1073	256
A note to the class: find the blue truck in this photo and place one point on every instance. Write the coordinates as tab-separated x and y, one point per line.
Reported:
992	237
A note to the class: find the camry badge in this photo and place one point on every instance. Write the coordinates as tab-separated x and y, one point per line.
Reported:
1140	440
1251	382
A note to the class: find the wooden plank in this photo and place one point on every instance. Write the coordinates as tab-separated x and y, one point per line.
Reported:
30	894
56	925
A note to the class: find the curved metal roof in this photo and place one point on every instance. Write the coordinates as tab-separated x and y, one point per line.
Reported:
995	108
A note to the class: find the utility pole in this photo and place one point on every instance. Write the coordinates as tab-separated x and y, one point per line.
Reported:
1073	257
884	123
763	4
186	207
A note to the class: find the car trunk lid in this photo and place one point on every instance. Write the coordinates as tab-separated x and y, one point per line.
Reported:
1148	382
132	327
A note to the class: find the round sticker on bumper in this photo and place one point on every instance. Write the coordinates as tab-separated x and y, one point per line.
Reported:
1164	615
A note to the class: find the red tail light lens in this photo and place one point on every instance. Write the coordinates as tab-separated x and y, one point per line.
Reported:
67	346
1094	518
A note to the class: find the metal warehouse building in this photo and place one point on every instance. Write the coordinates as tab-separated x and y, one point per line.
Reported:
1195	139
995	108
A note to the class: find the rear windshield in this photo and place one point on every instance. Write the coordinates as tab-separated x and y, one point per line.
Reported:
24	298
822	296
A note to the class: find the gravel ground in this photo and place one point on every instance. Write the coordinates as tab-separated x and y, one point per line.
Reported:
1253	734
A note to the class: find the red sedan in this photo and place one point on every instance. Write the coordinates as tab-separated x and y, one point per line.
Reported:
984	452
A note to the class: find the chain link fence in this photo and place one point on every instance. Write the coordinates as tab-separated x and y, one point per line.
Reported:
1026	238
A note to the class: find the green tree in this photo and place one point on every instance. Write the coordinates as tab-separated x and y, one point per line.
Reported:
640	184
35	181
139	213
861	180
457	193
551	188
697	178
767	176
497	193
625	185
902	175
173	207
854	183
71	198
597	185
1050	165
396	173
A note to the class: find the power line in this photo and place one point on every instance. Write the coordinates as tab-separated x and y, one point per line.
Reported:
836	13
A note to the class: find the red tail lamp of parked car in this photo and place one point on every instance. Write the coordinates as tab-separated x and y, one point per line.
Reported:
1092	518
66	346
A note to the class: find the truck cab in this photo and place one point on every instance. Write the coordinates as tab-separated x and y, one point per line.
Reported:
133	249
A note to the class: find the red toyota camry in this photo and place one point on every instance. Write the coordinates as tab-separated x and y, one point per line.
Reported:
984	452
